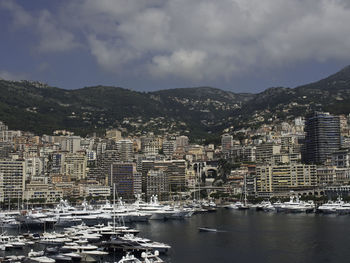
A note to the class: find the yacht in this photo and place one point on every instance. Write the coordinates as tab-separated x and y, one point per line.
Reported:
140	243
89	253
268	207
210	206
73	246
60	258
236	205
139	217
330	207
260	206
157	211
66	221
303	207
14	258
277	205
38	256
151	257
10	223
34	219
128	258
285	206
17	242
53	239
294	205
343	209
11	242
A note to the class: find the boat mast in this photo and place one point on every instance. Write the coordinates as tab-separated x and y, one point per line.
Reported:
245	189
114	207
195	183
199	184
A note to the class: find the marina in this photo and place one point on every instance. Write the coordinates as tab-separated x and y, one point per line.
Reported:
42	237
87	234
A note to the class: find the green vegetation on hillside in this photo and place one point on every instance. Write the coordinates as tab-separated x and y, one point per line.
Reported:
202	113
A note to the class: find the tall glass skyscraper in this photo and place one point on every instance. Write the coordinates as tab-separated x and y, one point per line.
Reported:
322	137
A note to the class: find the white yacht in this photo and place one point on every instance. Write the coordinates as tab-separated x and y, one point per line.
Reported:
157	211
142	243
294	205
277	205
128	258
88	253
53	239
151	257
343	209
303	207
10	223
34	218
42	259
330	207
268	207
10	242
66	221
260	206
34	256
237	205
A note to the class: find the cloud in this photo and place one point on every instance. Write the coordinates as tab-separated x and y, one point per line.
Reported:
199	39
52	36
111	55
196	40
182	63
19	15
12	76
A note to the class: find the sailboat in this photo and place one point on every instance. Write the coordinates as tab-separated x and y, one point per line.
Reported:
244	205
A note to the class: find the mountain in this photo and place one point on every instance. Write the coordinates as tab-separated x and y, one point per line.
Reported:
200	112
40	108
33	106
331	94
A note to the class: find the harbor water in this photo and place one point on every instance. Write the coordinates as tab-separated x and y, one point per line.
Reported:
251	236
246	236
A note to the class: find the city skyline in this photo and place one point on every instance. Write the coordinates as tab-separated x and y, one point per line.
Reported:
174	131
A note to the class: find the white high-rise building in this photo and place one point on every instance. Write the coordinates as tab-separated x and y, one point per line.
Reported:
71	144
169	147
74	166
12	179
34	166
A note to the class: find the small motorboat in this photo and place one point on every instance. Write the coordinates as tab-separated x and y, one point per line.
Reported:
206	229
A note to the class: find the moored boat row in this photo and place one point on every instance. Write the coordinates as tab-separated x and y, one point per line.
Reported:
295	205
65	215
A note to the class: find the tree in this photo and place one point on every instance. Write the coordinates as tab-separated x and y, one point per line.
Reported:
225	167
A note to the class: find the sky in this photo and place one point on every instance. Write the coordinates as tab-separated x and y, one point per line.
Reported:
144	45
